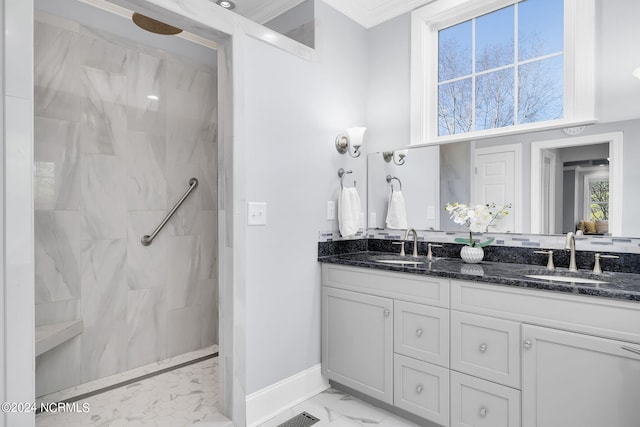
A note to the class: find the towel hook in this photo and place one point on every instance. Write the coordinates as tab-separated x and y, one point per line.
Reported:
391	178
341	174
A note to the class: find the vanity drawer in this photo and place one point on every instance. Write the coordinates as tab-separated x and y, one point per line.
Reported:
422	389
486	347
422	332
610	318
400	286
480	403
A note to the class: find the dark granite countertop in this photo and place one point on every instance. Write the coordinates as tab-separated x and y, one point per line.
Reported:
621	286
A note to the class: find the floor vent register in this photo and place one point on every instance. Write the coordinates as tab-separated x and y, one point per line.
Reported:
301	420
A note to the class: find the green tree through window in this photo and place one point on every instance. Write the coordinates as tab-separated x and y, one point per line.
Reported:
599	199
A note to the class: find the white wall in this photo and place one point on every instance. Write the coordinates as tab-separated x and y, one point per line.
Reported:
293	111
388	107
617	30
17	347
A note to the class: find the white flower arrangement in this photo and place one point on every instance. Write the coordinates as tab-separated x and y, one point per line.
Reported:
477	218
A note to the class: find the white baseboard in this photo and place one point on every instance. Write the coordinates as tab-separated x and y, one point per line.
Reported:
270	401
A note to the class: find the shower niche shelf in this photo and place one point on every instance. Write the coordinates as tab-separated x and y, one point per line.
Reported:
52	335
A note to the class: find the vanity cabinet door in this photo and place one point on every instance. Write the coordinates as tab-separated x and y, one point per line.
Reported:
357	341
576	380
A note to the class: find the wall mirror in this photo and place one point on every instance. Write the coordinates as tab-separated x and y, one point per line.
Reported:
292	18
563	180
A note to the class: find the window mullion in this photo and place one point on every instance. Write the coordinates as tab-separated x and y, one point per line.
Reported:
473	75
539	58
516	65
457	79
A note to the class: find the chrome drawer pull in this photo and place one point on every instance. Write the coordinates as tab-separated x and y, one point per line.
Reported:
527	344
631	349
483	411
482	348
387	313
419	389
419	332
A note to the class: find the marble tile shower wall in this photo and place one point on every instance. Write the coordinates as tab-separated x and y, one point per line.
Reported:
110	162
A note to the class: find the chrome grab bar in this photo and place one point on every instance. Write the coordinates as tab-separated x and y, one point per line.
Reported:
148	239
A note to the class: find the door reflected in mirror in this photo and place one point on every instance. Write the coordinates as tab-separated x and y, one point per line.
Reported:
576	185
575	189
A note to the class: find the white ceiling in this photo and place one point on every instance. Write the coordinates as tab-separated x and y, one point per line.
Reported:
370	13
367	13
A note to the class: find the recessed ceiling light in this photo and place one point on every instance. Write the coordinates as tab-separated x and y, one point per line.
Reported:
227	4
153	97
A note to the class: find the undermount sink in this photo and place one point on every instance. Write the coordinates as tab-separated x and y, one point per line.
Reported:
399	261
563	278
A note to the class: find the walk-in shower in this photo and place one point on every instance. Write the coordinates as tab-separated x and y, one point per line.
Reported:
124	120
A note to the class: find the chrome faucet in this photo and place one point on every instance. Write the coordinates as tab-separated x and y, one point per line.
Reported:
550	265
570	245
415	240
429	252
596	266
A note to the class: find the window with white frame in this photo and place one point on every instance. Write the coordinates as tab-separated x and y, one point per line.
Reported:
596	197
487	67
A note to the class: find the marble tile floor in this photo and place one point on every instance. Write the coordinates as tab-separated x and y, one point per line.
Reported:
337	409
182	397
127	375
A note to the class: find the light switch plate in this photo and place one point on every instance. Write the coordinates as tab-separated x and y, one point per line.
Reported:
257	213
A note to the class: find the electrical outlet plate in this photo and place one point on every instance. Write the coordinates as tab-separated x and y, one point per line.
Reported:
331	210
257	213
431	212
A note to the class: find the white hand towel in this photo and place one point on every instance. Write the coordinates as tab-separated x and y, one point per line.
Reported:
349	212
396	211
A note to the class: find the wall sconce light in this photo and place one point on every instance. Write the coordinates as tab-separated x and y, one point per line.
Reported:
353	139
392	155
636	73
